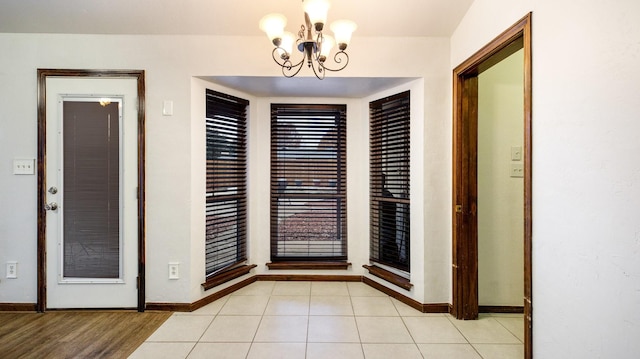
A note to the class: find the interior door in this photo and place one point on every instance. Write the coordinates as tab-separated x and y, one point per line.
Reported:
91	192
465	100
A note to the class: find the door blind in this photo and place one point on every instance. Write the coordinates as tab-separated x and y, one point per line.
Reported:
226	184
389	167
91	160
308	182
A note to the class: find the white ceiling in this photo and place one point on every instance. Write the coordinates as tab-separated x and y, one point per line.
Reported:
397	18
223	17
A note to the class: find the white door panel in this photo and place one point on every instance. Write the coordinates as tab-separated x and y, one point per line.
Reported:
71	280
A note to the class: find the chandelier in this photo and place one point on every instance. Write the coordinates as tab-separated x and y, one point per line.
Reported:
314	45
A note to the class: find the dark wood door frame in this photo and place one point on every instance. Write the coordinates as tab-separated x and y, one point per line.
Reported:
465	122
41	305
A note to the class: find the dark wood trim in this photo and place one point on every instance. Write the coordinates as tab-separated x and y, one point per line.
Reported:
18	307
501	309
190	307
142	204
390	277
169	307
424	308
472	65
42	225
436	308
528	188
309	277
516	37
226	276
465	233
392	293
222	293
505	52
42	74
337	265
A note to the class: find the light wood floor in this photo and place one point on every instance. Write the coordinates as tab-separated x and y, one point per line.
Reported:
76	334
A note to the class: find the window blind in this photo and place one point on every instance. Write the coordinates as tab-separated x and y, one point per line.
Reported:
226	183
389	186
308	182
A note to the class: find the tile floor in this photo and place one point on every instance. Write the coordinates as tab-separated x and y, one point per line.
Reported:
335	320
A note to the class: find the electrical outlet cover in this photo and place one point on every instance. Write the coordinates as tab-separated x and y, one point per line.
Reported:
12	270
517	170
174	270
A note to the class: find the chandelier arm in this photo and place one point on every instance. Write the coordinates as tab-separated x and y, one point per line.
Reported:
301	32
295	68
319	40
338	58
275	54
290	70
320	73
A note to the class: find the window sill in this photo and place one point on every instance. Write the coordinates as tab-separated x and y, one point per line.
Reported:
389	277
308	265
226	276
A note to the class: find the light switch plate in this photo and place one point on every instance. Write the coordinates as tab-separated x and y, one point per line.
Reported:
516	153
167	108
24	166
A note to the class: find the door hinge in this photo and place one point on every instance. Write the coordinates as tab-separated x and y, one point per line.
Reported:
137	282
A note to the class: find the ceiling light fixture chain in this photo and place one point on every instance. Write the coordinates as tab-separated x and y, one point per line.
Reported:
315	48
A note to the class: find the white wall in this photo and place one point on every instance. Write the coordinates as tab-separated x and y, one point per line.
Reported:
500	196
174	176
586	178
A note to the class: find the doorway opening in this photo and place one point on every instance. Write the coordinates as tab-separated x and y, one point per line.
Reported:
465	172
71	143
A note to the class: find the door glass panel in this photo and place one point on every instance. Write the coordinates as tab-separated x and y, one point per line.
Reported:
91	189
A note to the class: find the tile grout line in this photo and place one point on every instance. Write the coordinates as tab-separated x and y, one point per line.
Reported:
355	319
509	330
204	331
306	342
407	328
464	336
261	318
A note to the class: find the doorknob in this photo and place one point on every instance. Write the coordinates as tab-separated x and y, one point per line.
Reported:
53	190
50	206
